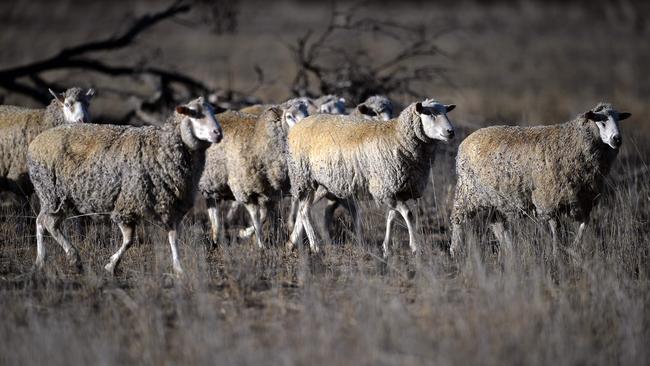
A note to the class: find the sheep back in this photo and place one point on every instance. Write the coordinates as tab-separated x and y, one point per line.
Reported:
125	171
224	158
522	170
18	127
352	156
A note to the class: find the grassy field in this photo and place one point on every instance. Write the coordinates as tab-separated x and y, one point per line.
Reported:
526	63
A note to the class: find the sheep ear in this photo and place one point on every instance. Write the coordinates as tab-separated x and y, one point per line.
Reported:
450	107
290	119
419	108
624	115
90	93
590	115
181	109
56	96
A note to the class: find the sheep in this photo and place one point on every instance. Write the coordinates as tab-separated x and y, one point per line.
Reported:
390	161
249	166
258	109
329	104
544	171
19	126
377	107
133	173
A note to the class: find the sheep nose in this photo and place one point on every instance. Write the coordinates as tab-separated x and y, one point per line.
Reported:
450	133
616	140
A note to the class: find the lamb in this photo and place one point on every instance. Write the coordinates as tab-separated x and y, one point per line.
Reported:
19	126
249	166
133	173
377	107
544	171
390	161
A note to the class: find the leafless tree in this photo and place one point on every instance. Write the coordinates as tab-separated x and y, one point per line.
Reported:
329	66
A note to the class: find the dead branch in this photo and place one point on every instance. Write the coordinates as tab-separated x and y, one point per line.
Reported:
76	57
329	66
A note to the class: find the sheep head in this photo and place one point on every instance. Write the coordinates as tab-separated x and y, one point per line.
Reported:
293	111
377	107
606	119
74	104
332	105
200	120
434	120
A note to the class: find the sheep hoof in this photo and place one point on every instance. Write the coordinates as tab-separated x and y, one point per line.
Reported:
38	266
289	245
110	268
246	233
178	272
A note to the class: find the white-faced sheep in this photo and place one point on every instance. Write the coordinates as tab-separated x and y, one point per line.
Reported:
377	107
545	171
345	157
133	173
258	109
19	126
329	104
249	166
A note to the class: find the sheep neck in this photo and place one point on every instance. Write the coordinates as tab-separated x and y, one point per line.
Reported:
593	156
53	115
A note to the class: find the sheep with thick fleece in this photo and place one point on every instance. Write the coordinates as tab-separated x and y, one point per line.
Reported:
390	161
376	107
131	173
258	109
19	126
544	171
249	166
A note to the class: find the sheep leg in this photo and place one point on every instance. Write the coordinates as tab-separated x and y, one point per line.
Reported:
215	223
552	223
52	224
581	230
406	213
356	223
254	212
389	226
127	239
293	213
297	230
304	211
505	242
232	211
172	235
246	233
40	247
455	239
328	217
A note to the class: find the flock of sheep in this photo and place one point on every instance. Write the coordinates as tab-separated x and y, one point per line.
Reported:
309	148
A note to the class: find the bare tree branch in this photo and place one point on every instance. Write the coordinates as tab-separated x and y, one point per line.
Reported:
75	58
357	72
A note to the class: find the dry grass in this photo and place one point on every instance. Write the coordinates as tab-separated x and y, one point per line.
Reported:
239	305
530	62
